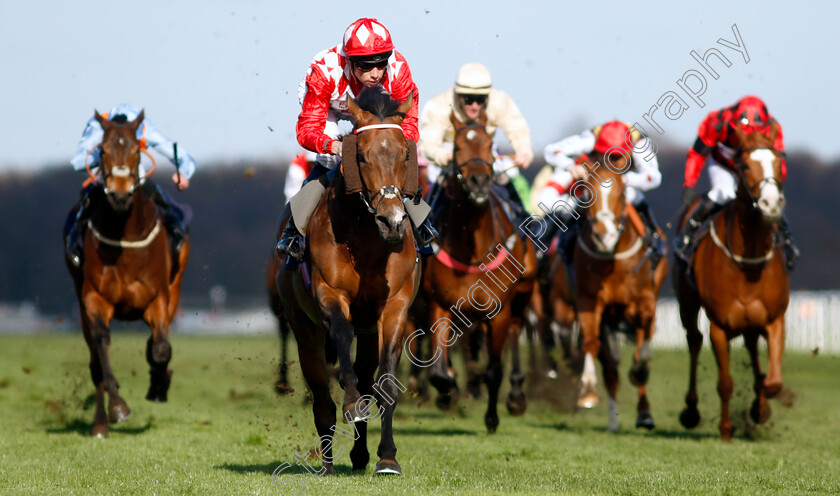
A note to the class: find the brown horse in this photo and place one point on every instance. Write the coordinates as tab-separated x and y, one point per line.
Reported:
741	281
483	274
128	271
615	287
364	277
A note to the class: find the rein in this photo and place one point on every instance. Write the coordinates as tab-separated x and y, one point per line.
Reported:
629	252
92	179
735	257
126	244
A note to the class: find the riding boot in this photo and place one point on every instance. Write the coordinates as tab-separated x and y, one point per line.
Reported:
568	239
171	219
291	241
685	240
788	244
652	237
73	248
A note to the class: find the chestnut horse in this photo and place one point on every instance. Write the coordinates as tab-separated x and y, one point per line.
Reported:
483	262
128	271
741	281
364	276
615	287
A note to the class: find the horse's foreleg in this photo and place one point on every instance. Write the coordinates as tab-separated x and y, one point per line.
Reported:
282	384
497	330
590	324
609	367
640	370
388	387
367	359
516	402
760	411
158	350
99	314
336	309
689	312
100	419
720	343
775	349
312	357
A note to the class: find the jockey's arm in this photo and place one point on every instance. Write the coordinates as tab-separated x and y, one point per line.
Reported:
315	107
513	123
434	127
91	137
707	137
164	146
561	155
647	175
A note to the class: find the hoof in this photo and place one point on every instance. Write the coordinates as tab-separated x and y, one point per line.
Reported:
329	469
760	411
639	373
118	411
282	388
159	386
387	467
100	431
445	401
645	420
726	431
492	423
772	390
355	413
588	400
690	417
516	404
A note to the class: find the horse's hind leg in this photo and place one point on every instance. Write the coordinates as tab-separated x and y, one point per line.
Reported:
607	356
760	411
158	350
98	315
341	334
475	377
282	384
516	402
689	312
720	343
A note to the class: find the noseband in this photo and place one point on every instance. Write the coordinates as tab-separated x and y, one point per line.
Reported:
119	171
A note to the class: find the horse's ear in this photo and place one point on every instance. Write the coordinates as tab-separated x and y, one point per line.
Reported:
407	104
455	120
356	111
135	124
101	120
774	131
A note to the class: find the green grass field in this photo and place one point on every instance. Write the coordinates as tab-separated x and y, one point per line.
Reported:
224	431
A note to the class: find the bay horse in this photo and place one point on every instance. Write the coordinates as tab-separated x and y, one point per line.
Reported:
128	271
615	286
364	276
483	262
740	279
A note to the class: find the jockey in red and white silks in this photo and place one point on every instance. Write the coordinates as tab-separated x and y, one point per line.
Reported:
299	168
643	176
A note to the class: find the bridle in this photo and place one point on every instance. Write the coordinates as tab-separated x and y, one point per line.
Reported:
458	169
743	167
386	192
119	171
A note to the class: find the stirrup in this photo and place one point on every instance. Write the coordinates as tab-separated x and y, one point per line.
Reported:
426	233
291	243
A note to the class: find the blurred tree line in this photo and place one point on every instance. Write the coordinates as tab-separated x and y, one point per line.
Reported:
236	210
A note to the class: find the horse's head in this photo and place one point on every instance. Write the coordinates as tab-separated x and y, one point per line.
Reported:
606	203
472	157
120	160
760	172
382	153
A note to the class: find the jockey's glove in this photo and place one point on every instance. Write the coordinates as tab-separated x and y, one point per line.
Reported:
688	196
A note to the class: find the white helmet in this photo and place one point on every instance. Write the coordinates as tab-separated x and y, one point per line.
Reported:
473	79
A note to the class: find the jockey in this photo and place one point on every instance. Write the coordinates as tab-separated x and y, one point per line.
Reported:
88	152
471	93
299	168
365	58
717	142
642	176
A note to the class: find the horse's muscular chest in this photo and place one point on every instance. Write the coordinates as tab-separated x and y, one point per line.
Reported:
125	289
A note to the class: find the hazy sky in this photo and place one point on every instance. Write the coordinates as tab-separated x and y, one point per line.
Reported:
219	76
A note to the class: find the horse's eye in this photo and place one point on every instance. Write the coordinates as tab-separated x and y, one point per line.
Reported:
407	155
360	158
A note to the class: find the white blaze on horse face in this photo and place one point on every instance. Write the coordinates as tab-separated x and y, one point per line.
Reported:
771	201
121	171
471	134
605	216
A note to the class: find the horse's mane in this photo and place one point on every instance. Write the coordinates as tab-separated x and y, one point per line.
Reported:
378	102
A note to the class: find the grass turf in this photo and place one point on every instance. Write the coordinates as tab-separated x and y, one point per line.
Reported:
224	431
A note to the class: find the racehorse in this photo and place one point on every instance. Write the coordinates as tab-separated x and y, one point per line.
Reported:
740	280
615	286
128	271
482	261
364	276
